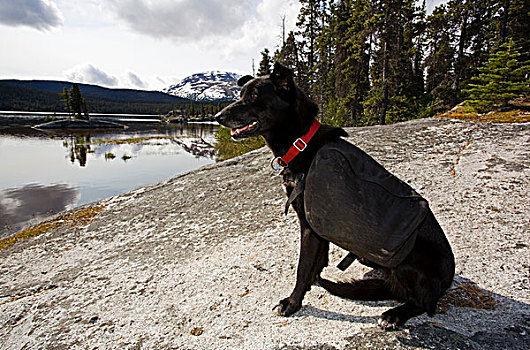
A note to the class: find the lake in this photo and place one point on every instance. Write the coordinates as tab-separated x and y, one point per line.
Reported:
45	172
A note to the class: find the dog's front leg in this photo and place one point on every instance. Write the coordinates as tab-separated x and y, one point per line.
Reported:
313	258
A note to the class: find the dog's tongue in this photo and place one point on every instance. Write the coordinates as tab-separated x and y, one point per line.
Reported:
237	131
240	130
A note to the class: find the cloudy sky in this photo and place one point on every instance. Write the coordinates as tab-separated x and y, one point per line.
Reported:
146	44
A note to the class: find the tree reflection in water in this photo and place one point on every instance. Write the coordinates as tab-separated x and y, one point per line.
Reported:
78	147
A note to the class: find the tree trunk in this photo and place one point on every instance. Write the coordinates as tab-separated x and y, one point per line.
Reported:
384	102
458	62
504	20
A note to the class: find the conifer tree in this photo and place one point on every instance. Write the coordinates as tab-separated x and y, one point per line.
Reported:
65	99
289	53
394	92
322	83
289	56
439	61
84	109
351	62
474	27
502	78
265	64
76	101
513	22
309	24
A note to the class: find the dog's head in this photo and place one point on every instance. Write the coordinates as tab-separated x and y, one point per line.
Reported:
268	104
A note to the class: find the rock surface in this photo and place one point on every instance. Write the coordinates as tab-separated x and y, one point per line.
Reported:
199	261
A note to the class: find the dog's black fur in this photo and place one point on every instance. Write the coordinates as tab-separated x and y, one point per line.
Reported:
274	107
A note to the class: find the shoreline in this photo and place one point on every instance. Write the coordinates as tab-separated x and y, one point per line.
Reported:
200	260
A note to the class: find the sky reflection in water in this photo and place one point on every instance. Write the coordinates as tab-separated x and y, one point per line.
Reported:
43	174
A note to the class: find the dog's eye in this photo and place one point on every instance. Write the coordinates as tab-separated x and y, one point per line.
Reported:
254	96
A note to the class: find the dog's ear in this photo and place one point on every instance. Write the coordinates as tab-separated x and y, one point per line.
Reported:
282	77
243	80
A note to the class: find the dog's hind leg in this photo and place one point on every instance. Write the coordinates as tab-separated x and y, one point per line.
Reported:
313	258
423	277
396	317
419	291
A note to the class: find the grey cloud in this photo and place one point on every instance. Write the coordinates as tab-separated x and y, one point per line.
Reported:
136	81
185	19
38	14
22	206
92	75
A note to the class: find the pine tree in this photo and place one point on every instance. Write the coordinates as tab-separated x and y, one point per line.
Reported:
84	109
439	61
322	83
265	64
350	64
76	101
502	78
309	24
514	22
407	85
65	99
475	30
395	94
289	52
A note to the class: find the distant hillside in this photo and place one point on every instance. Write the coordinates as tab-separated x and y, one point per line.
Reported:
43	95
207	87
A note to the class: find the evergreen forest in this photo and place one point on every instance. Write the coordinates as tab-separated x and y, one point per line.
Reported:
49	96
371	62
79	100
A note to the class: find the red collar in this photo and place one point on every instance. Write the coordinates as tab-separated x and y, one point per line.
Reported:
298	146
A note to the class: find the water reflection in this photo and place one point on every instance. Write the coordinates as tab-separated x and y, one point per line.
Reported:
31	203
46	172
78	147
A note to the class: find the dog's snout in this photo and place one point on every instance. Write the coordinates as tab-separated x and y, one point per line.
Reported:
224	115
221	116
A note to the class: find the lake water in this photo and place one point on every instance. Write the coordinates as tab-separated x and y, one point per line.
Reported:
43	173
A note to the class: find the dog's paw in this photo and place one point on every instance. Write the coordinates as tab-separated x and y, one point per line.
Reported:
287	307
389	321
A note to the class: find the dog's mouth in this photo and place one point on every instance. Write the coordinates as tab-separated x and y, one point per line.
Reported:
248	130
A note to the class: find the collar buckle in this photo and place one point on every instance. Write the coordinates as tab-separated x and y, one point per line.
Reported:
299	141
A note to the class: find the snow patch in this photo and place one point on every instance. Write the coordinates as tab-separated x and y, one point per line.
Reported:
207	86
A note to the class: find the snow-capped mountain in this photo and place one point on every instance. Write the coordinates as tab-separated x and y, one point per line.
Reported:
207	86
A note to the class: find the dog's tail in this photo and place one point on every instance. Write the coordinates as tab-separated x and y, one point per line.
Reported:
367	290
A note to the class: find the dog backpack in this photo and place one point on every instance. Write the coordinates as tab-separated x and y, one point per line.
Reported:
354	202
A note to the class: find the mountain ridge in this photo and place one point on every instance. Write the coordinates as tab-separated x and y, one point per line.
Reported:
208	86
43	95
91	90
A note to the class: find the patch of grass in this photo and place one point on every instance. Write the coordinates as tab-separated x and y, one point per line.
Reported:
467	294
80	217
513	116
226	148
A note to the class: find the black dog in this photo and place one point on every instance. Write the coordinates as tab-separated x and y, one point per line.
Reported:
343	196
